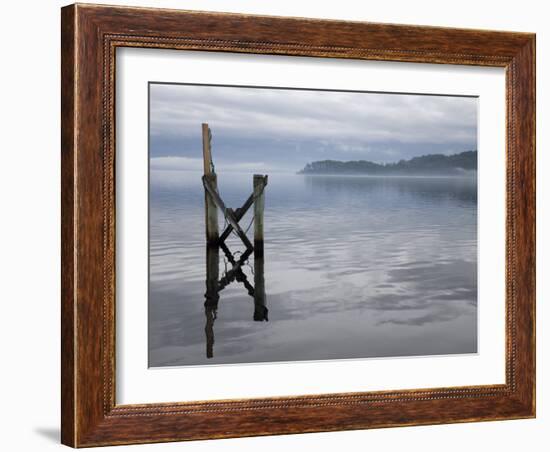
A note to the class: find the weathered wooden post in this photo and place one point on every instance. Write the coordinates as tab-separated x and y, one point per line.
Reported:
211	211
259	203
212	248
260	310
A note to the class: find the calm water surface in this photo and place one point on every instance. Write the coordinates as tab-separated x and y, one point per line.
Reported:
355	267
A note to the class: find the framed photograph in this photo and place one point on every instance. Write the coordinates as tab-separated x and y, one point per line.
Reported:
282	225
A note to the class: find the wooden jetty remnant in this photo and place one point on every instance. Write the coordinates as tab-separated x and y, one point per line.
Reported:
214	241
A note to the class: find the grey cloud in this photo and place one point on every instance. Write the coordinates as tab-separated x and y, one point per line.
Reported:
297	126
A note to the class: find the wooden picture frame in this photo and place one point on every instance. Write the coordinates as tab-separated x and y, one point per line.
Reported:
90	36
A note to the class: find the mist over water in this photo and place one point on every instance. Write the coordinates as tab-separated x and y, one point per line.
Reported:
355	267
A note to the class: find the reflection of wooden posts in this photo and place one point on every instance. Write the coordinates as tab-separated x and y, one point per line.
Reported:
209	330
259	203
211	212
260	310
212	296
212	275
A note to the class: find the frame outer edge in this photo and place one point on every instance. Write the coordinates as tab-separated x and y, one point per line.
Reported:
86	418
525	61
68	230
534	225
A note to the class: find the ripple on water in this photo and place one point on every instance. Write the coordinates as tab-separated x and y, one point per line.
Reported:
353	268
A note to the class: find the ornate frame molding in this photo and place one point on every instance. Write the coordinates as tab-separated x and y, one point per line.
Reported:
90	37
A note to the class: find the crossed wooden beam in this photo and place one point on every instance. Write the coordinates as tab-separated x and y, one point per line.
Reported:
232	217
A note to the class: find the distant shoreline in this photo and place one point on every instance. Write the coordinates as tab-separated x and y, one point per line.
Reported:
459	165
464	175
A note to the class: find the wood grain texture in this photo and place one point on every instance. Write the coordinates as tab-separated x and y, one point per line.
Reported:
90	36
68	244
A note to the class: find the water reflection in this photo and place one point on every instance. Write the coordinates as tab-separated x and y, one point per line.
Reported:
356	267
455	188
233	272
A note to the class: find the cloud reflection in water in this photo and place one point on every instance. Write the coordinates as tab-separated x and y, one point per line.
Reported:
355	267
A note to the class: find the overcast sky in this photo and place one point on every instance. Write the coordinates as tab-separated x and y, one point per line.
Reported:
259	129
